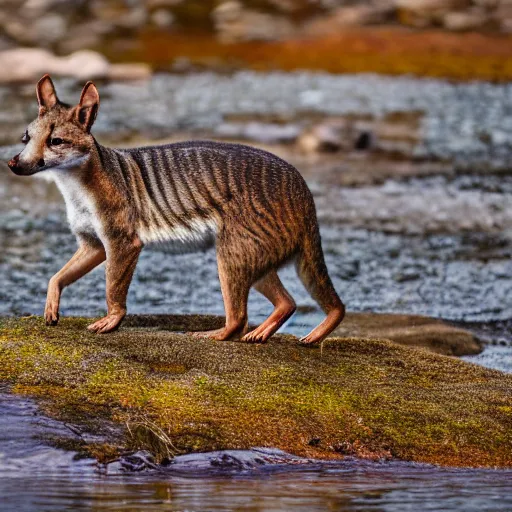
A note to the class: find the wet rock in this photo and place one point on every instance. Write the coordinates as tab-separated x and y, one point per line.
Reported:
412	330
234	23
162	18
350	16
365	141
44	31
324	138
203	395
88	34
461	21
29	64
422	13
128	72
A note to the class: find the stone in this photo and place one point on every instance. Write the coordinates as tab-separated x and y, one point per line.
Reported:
352	16
234	23
422	13
323	138
462	21
132	71
84	35
411	330
162	18
29	64
43	32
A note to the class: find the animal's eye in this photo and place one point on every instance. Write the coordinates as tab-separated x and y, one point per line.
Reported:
25	138
56	141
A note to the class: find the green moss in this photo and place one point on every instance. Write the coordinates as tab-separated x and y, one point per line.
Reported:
171	393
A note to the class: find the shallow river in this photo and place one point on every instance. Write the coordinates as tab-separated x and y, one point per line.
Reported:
35	477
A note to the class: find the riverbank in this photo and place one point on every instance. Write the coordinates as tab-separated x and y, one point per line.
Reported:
170	393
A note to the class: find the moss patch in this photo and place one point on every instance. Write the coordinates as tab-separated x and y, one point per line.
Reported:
176	394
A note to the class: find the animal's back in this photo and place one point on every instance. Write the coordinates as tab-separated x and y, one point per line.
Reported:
197	187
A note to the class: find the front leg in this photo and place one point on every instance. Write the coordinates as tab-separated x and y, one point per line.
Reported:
83	261
122	259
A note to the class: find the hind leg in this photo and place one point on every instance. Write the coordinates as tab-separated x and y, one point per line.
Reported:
235	283
313	273
271	287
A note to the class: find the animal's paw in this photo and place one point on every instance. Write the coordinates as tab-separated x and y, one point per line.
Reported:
309	341
51	314
106	324
216	334
256	336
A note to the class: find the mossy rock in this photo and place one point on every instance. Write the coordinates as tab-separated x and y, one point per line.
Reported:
412	330
174	393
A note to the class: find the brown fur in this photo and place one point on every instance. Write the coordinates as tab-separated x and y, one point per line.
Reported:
259	207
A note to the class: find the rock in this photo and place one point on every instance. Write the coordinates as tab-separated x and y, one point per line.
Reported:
365	141
461	21
162	18
134	71
412	330
88	34
503	17
83	65
422	13
323	138
29	64
234	23
198	395
352	16
43	31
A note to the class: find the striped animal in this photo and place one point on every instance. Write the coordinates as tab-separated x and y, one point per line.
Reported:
254	207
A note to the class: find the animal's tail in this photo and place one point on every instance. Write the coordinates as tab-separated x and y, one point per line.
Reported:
313	273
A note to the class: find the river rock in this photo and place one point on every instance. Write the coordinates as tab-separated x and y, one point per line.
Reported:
350	16
234	23
412	330
326	137
461	21
29	64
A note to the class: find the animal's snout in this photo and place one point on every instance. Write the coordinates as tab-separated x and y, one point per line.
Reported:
13	162
14	165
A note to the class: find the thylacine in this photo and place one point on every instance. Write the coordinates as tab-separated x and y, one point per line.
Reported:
253	206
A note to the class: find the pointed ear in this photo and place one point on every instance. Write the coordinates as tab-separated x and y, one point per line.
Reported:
88	106
46	95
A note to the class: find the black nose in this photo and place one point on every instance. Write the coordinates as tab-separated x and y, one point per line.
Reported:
41	162
13	163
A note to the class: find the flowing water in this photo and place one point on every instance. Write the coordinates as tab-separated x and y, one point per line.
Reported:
35	477
435	243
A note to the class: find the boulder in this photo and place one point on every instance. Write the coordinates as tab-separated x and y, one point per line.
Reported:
463	21
350	16
326	137
173	393
234	23
411	330
29	64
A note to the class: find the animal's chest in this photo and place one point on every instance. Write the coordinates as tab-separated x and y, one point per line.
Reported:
80	206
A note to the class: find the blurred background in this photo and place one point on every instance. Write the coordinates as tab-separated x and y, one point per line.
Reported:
397	112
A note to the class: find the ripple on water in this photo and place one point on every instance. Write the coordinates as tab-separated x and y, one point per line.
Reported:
37	477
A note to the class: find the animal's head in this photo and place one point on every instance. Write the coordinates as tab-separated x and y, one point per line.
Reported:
59	138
